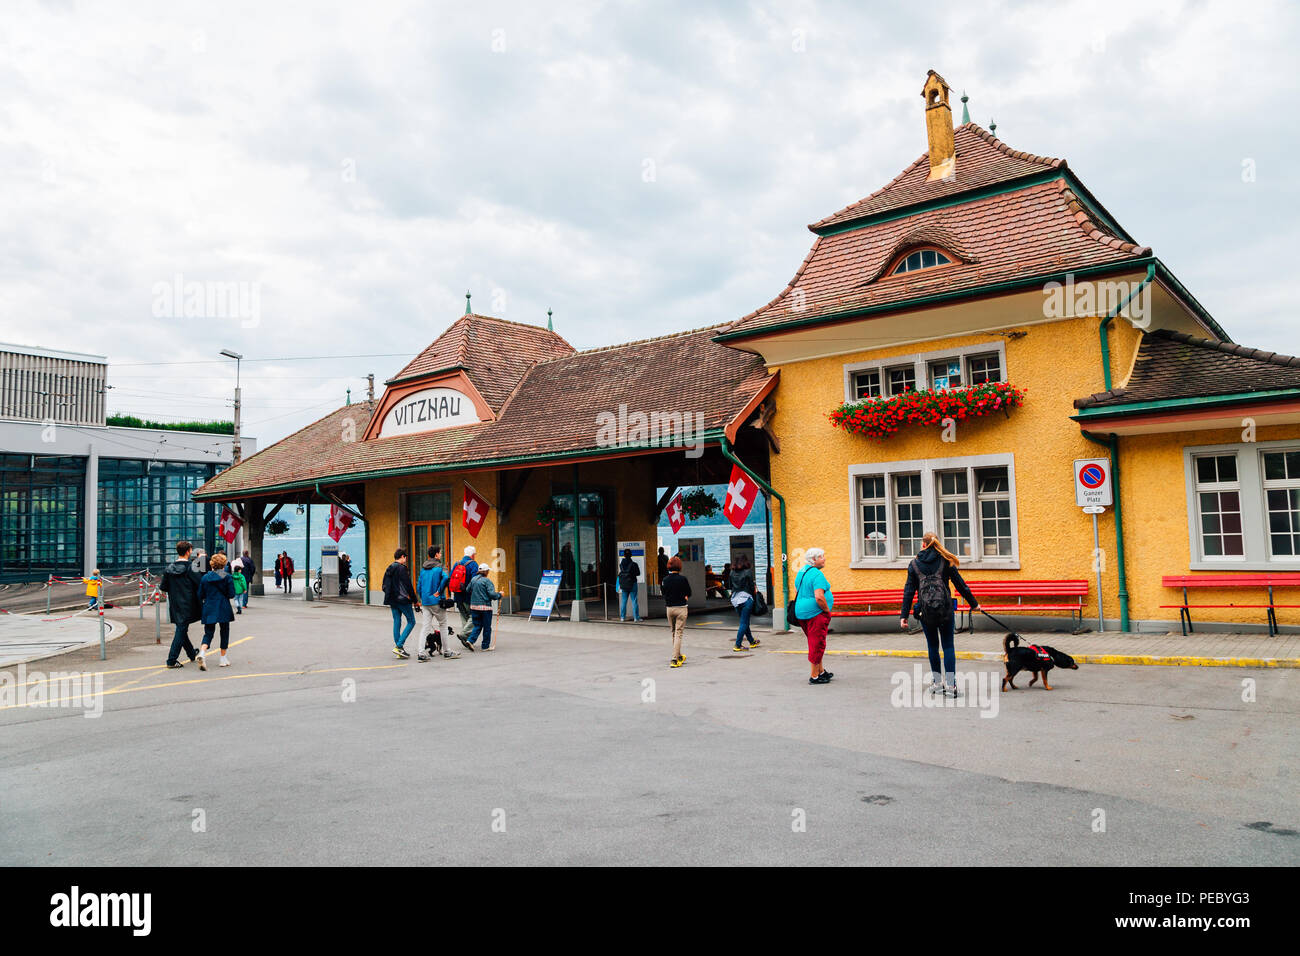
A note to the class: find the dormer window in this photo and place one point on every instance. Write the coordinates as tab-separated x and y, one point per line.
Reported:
917	259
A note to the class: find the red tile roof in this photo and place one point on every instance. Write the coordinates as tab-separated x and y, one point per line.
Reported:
982	160
494	353
553	411
1173	365
1039	229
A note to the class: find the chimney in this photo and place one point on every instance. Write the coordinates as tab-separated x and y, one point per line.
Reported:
938	127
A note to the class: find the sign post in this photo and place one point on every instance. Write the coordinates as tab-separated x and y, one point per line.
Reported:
547	590
1092	492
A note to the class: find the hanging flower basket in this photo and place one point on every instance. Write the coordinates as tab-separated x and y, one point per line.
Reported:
550	513
698	503
878	418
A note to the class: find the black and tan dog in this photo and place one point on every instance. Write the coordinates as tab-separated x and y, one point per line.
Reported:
1032	657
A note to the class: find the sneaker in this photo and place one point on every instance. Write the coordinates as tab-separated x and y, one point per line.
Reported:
827	674
933	688
737	648
421	656
755	643
202	661
225	661
950	690
676	662
450	654
400	652
461	638
175	666
820	679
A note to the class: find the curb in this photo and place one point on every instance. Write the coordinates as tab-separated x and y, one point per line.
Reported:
1128	659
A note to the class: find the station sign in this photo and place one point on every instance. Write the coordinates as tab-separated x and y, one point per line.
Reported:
427	410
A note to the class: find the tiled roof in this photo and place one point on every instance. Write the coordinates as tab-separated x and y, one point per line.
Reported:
1172	365
1036	230
982	160
553	411
494	353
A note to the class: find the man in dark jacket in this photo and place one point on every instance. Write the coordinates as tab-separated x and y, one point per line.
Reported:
628	572
400	598
180	582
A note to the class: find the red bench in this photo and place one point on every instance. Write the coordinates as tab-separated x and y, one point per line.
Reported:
867	603
1268	580
993	596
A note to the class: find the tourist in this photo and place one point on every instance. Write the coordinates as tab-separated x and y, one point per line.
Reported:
240	583
287	570
743	587
216	590
812	606
345	573
249	571
399	597
628	572
93	584
661	560
432	589
462	575
481	596
180	582
929	576
676	591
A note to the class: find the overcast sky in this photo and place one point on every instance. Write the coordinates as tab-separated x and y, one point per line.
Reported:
638	168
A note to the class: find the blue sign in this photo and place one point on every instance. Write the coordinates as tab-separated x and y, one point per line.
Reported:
547	591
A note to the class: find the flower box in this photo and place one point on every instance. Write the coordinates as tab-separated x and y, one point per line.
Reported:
878	418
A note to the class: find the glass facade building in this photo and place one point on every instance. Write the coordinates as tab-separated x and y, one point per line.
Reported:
145	508
41	515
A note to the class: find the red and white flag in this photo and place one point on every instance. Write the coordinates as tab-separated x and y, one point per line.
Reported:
475	509
340	520
741	492
676	514
230	525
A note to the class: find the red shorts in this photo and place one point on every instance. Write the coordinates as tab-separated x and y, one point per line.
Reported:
815	630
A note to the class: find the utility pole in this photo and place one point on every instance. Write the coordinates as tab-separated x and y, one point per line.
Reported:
237	357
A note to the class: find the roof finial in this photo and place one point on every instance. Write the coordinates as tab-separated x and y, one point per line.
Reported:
549	327
965	113
467	311
993	127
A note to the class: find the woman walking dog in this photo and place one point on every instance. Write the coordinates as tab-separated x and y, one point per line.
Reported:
929	576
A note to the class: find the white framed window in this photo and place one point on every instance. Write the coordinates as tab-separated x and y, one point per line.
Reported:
1243	505
1282	502
968	502
948	368
874	512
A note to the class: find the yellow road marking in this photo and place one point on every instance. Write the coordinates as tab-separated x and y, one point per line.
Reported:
200	680
125	670
1130	659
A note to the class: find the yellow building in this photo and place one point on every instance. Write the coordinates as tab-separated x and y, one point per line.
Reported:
949	351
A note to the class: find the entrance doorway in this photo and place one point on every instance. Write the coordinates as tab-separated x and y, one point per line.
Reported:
594	541
426	534
529	557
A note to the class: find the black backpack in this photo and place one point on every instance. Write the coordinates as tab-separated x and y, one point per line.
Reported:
933	601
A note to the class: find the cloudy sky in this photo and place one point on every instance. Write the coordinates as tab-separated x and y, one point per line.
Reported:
640	168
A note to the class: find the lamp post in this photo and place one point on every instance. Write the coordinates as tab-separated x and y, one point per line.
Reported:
236	356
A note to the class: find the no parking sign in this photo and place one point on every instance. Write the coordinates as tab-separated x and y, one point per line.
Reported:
1092	482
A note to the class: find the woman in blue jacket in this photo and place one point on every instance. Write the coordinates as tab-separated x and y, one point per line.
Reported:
216	590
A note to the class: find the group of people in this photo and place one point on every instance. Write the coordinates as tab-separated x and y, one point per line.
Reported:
284	572
208	591
466	585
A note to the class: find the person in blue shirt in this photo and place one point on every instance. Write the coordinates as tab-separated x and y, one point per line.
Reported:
432	591
812	606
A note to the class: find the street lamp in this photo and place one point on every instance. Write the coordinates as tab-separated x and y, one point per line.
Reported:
237	357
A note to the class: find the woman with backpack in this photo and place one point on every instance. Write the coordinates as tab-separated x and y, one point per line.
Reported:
813	601
929	576
741	582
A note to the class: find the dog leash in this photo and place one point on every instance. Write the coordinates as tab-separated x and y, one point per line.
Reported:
1000	624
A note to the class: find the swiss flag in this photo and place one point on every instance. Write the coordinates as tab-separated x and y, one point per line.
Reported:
475	509
230	525
676	514
741	492
340	521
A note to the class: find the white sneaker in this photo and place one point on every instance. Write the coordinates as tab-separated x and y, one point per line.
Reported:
225	661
